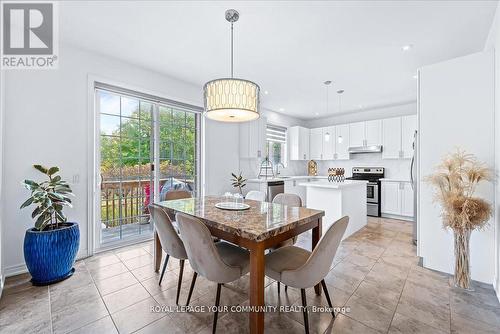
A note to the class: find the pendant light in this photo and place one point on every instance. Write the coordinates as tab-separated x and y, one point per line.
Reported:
340	139
327	83
231	99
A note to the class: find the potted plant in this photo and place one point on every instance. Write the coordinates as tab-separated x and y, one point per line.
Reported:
456	179
50	247
238	182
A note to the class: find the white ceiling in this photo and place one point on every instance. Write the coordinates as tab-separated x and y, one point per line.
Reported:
290	47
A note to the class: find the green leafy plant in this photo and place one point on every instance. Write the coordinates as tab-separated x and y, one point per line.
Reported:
50	197
238	182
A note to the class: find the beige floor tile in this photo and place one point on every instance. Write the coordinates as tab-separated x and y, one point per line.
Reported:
357	258
136	316
78	315
192	322
380	296
81	277
101	326
171	279
131	253
123	298
108	271
346	325
475	310
140	261
346	276
403	325
370	314
115	283
461	324
61	299
435	295
165	326
146	272
277	323
284	298
101	260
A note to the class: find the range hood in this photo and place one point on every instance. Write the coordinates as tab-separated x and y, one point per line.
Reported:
365	149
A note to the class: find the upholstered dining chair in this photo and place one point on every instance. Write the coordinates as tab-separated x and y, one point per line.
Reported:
170	242
301	269
256	195
219	262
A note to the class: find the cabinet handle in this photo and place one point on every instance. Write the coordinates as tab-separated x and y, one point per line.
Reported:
321	156
259	154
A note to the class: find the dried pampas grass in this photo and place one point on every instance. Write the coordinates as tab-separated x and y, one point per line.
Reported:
456	179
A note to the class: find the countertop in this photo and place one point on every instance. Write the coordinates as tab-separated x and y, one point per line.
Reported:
388	179
286	178
335	185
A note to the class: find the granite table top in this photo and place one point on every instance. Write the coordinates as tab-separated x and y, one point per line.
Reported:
261	221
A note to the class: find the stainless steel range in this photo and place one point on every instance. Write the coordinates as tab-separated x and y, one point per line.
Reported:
373	176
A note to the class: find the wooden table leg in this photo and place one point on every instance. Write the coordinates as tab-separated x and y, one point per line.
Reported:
316	235
157	252
257	287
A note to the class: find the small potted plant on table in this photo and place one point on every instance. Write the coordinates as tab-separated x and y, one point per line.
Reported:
51	246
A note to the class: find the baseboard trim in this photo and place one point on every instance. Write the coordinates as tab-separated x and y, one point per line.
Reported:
496	287
21	268
405	218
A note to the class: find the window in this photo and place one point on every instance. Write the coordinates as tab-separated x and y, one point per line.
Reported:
276	144
147	147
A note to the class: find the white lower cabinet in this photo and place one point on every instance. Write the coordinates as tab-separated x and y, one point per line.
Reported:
292	187
397	198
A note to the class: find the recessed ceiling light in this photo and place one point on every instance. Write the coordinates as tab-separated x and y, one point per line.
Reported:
415	76
317	114
266	92
407	47
282	109
360	106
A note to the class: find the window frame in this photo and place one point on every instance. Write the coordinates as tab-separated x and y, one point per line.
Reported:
284	142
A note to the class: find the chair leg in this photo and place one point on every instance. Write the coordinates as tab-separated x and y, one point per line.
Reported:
304	304
164	268
181	271
279	285
216	313
286	288
193	281
327	295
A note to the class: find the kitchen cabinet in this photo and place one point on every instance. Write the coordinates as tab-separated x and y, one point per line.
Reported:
316	144
408	128
397	137
292	187
298	143
328	143
397	198
253	139
357	134
367	133
341	142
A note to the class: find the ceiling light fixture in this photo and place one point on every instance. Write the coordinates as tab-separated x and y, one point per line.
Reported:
327	83
415	76
407	47
282	109
340	139
231	99
266	92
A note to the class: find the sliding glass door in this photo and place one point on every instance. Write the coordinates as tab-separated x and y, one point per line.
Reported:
137	134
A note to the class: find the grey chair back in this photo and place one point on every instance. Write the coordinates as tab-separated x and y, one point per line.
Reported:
202	253
319	263
256	195
288	200
169	239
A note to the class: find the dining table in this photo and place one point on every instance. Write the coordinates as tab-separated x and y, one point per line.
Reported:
261	226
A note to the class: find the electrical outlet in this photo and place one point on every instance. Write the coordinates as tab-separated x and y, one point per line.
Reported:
76	178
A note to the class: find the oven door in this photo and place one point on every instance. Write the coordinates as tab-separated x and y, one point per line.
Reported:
372	192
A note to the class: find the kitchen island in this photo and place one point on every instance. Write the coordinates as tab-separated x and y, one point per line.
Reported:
339	199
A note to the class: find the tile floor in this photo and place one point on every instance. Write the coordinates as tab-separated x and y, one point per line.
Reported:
374	275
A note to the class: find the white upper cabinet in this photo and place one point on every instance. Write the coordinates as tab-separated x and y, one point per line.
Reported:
391	138
397	137
253	139
316	144
408	128
365	133
373	132
357	134
329	143
298	143
342	142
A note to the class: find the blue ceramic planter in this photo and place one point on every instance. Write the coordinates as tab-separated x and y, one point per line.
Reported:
50	255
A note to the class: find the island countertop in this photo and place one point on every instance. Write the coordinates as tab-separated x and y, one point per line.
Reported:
334	185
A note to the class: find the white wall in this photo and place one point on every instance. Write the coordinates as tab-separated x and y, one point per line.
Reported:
46	122
2	102
365	115
456	110
493	45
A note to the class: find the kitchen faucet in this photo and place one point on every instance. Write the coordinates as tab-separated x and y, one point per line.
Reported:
278	168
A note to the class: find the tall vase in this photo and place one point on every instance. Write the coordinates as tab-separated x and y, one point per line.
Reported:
462	262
